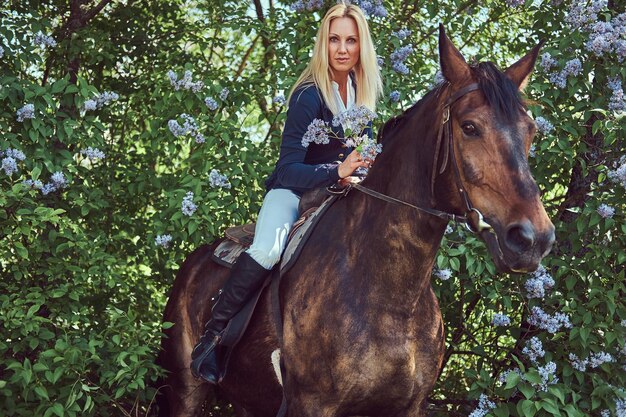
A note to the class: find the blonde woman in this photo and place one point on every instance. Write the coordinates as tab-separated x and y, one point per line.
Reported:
343	72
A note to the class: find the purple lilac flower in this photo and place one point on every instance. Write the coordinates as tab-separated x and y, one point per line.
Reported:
543	126
106	98
402	34
617	102
9	162
57	182
548	376
619	174
90	105
163	240
448	230
36	184
14	153
606	211
580	15
605	413
515	3
598	358
94	154
544	321
356	119
211	103
572	67
26	112
189	127
400	68
279	99
623	323
317	132
547	62
539	282
224	94
534	349
44	40
439	78
380	61
443	274
532	152
500	320
307	5
608	37
558	79
577	363
484	407
373	8
218	180
48	188
188	207
9	165
1	52
369	148
173	78
620	407
186	83
399	56
394	96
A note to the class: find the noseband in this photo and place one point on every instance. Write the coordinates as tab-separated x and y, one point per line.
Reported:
473	218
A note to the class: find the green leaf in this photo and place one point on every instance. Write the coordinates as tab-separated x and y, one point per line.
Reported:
557	392
527	390
42	392
550	406
512	379
526	408
501	411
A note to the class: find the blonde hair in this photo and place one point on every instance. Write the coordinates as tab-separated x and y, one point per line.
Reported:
319	73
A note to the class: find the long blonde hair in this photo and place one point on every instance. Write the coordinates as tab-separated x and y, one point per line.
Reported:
368	82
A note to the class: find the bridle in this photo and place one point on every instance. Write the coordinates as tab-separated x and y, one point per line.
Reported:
473	218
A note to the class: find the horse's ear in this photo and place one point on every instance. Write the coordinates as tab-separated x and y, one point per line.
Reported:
519	72
453	65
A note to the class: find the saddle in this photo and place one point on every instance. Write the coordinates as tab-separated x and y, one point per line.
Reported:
312	207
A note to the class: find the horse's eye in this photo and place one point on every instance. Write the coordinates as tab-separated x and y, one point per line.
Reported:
469	129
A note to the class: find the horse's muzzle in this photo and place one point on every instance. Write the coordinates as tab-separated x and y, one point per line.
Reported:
519	247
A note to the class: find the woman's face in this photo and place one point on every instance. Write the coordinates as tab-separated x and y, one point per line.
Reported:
343	46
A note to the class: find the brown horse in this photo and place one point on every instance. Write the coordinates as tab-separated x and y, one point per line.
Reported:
363	333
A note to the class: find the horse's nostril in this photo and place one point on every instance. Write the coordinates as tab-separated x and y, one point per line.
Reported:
549	241
520	236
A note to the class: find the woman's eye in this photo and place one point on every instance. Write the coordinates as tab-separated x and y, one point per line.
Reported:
469	129
333	39
351	40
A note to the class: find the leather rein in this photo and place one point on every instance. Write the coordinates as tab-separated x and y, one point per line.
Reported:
445	143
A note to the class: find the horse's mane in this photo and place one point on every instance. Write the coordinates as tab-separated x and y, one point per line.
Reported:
501	93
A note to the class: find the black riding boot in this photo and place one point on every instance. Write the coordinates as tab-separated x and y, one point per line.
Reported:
246	277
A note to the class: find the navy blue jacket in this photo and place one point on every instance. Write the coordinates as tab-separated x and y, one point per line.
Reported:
298	168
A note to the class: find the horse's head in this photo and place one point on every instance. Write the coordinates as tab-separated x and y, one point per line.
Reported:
490	138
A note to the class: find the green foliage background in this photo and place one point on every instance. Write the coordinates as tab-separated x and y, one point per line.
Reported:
83	284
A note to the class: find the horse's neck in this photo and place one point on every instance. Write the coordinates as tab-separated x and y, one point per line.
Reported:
399	239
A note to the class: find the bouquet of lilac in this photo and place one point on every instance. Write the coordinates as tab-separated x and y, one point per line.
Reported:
353	121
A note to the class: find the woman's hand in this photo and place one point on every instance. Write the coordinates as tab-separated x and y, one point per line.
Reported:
351	163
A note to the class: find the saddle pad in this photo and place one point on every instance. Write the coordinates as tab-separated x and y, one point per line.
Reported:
298	238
